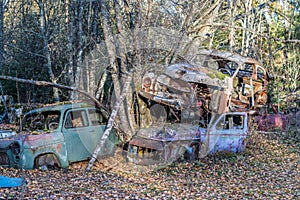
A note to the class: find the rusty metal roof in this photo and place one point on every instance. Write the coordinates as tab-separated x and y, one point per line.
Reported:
230	56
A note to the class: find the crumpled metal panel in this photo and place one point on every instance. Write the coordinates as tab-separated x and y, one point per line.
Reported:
271	122
230	56
197	74
169	139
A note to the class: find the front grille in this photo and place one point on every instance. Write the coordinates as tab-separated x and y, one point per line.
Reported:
4	159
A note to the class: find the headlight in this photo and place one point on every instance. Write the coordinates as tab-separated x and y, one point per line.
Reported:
15	148
147	84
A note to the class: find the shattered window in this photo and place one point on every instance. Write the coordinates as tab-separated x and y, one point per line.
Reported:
246	70
232	65
96	117
42	121
260	72
76	119
248	67
231	122
227	67
237	121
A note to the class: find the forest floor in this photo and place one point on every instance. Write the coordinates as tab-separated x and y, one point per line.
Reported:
269	168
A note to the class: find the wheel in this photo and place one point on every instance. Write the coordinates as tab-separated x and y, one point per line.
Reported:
47	161
53	126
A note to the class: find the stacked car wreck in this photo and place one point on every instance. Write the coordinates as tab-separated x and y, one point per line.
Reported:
199	107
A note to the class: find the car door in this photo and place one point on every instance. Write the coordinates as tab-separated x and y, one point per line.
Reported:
78	135
98	126
229	132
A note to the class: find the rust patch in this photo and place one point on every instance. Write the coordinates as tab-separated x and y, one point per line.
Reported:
58	147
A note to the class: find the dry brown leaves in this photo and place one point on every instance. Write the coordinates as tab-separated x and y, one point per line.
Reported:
269	168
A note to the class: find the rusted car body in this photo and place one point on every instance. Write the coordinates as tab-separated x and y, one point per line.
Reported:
54	136
219	82
170	142
293	116
271	120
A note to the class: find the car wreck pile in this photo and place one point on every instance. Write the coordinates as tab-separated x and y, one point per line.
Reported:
201	108
196	108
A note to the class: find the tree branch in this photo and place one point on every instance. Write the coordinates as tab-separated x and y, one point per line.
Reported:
49	84
109	123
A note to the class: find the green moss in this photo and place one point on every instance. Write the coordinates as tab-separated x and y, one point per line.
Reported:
211	75
220	75
216	74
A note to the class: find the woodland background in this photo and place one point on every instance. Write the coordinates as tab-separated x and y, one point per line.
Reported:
84	44
91	44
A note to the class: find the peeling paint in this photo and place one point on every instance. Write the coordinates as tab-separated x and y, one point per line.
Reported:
219	82
169	142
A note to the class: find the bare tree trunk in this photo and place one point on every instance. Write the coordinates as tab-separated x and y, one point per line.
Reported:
46	48
112	54
109	123
232	29
244	36
1	34
125	109
79	60
88	74
247	25
95	20
70	22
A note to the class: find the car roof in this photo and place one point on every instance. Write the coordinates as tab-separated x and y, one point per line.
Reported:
61	106
230	56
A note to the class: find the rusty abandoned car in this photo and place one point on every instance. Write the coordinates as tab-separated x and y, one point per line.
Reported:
219	82
196	108
170	142
54	136
270	120
188	102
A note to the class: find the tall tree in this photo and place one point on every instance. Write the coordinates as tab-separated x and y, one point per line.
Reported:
47	55
2	4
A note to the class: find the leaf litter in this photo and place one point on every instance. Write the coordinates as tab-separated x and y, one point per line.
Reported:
269	168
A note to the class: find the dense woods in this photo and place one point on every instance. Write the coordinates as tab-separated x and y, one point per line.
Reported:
91	44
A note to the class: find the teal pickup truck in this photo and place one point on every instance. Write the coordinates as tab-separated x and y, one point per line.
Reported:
55	136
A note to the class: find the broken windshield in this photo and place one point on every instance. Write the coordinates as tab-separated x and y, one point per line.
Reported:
216	63
44	121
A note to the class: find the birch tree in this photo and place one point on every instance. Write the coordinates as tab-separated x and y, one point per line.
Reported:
1	33
45	35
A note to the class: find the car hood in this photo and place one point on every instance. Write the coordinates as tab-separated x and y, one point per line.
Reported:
204	75
8	138
6	133
154	136
30	139
171	132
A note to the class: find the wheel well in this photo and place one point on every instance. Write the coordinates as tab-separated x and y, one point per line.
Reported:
47	159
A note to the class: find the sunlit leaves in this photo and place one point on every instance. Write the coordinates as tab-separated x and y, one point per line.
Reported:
268	168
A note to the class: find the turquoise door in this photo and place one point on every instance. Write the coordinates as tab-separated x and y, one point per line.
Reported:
98	126
78	135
